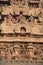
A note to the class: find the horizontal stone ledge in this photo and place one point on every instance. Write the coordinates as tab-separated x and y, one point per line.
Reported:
21	34
23	39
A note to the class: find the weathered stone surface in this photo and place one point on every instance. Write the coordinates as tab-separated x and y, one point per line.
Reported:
21	32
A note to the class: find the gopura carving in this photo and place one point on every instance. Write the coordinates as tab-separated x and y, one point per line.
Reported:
21	30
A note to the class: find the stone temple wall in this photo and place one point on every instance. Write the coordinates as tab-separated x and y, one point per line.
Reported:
21	30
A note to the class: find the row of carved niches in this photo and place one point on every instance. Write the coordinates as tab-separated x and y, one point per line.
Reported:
15	9
30	3
19	2
4	2
17	14
22	19
33	3
21	51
